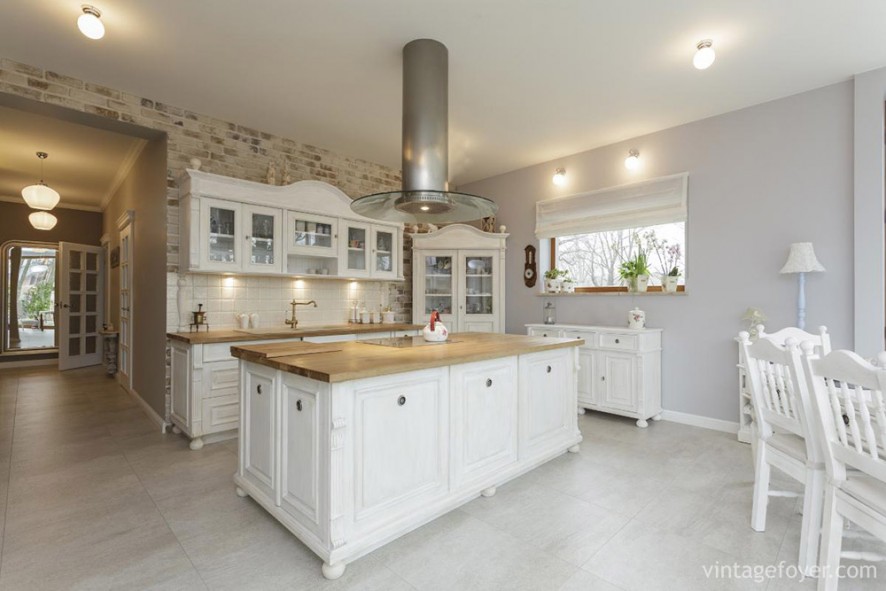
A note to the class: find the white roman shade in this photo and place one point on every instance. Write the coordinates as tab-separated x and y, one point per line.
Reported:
646	203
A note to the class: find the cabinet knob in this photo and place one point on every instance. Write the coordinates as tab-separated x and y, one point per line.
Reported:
298	405
617	341
489	383
401	401
258	388
544	334
602	378
549	369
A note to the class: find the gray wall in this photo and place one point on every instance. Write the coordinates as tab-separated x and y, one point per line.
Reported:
759	179
144	191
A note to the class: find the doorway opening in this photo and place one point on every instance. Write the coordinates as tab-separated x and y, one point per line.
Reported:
29	297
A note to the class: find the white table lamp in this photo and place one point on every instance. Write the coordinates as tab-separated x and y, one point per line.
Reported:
801	260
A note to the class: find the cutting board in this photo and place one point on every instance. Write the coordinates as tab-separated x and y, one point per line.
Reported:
272	350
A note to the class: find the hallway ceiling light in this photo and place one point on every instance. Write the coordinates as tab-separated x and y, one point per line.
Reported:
40	196
560	177
632	162
705	55
90	22
42	220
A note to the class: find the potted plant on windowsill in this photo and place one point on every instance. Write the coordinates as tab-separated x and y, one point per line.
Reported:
554	279
669	281
635	273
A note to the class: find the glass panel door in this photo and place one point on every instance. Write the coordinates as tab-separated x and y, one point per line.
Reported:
29	295
478	294
263	246
438	285
79	305
356	248
311	234
384	253
220	234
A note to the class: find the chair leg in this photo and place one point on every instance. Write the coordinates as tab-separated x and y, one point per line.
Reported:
761	488
831	543
813	499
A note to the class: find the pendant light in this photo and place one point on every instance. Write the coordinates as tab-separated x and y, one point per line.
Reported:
42	220
40	196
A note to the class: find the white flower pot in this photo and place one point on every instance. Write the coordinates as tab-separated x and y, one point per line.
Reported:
642	283
669	283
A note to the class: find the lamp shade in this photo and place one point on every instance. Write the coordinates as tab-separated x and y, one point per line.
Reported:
42	220
40	196
801	259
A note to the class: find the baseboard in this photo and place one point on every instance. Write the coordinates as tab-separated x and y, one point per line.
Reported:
152	414
30	363
700	421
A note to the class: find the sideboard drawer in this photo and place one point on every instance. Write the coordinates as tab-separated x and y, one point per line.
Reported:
221	378
618	341
221	413
545	332
590	338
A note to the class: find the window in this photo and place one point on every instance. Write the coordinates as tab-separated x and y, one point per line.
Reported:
28	296
593	234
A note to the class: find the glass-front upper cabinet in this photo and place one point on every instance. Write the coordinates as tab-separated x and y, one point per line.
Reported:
262	239
219	232
355	247
310	234
384	252
439	285
478	293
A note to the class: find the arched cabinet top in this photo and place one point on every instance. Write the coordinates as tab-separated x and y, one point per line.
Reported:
457	236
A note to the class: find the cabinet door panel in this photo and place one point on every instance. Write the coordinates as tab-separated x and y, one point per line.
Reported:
586	377
221	235
355	249
484	419
617	380
546	405
221	413
263	239
300	451
385	245
259	449
181	385
401	443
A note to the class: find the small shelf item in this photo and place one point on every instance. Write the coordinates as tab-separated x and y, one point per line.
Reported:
549	313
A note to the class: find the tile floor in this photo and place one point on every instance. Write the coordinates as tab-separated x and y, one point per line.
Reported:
93	496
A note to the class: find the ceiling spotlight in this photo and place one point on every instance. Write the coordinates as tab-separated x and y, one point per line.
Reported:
40	196
632	162
42	220
90	22
560	177
705	55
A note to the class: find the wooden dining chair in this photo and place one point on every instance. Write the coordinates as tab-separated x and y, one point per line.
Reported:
821	341
782	410
849	415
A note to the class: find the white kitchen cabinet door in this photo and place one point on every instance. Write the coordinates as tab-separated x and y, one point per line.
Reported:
300	451
546	407
401	430
385	245
355	248
616	380
311	234
436	281
586	391
258	419
263	232
180	384
478	294
484	420
221	235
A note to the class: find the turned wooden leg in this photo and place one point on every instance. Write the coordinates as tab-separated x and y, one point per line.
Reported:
810	530
176	430
581	410
196	444
657	417
241	493
333	571
642	423
488	492
761	489
574	449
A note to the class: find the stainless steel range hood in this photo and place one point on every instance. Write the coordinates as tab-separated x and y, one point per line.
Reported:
425	196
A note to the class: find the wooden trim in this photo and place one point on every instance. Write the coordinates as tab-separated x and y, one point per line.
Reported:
553	253
618	288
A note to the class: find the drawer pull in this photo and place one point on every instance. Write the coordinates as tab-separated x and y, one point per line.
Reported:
617	341
544	334
549	369
602	378
298	405
258	388
488	382
401	401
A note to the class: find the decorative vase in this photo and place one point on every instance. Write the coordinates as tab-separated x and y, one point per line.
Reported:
637	318
387	318
669	283
642	283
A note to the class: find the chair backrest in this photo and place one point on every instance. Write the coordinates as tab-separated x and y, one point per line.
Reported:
822	340
778	389
849	411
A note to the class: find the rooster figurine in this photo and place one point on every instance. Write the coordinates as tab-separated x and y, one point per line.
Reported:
435	332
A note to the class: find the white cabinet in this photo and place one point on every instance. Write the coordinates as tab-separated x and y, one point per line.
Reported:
233	226
620	368
258	417
547	414
459	271
299	453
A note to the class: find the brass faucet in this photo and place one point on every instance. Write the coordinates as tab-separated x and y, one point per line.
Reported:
294	321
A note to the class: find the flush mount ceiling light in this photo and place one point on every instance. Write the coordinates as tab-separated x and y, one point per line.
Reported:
90	22
704	56
560	177
42	220
425	196
40	196
632	162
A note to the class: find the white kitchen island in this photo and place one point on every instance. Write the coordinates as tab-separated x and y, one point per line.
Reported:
351	445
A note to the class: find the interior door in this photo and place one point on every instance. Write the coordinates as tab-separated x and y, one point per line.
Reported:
124	356
80	305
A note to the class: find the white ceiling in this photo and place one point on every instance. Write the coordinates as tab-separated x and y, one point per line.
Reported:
530	80
85	164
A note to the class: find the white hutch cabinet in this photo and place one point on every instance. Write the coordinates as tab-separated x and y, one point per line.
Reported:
459	271
620	368
307	229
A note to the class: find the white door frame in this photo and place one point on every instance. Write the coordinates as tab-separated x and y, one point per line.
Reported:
125	228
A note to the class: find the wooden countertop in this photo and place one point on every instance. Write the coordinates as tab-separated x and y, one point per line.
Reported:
252	334
354	360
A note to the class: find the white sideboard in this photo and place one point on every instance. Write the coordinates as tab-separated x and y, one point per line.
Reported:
307	228
620	368
205	384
